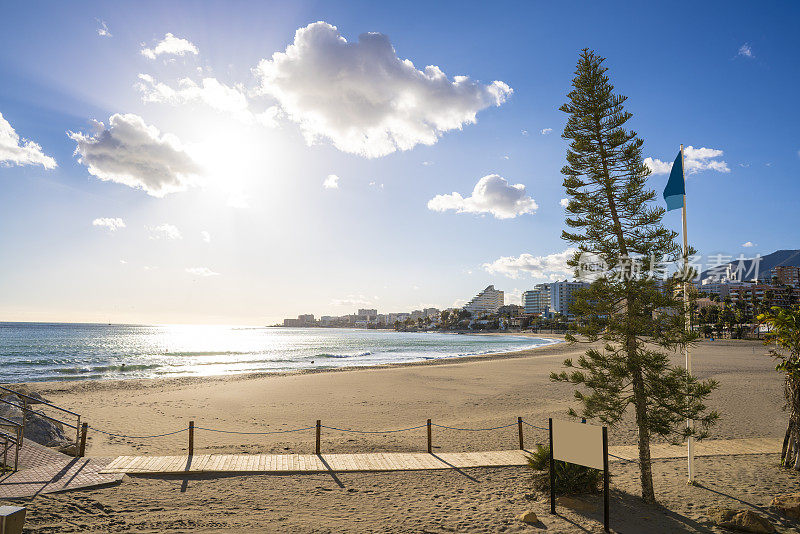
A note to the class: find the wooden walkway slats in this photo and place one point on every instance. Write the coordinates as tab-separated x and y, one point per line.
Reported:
400	461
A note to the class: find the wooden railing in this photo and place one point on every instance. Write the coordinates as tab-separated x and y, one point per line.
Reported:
27	399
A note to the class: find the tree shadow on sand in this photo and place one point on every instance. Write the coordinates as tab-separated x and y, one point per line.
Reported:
775	517
628	513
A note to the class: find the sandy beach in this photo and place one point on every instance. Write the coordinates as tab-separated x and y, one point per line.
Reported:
474	392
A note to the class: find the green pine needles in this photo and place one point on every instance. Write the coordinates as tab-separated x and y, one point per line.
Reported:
634	311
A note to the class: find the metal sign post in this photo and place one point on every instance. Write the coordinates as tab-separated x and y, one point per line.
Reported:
580	444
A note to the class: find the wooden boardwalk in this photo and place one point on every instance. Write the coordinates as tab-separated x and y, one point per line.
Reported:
397	461
43	470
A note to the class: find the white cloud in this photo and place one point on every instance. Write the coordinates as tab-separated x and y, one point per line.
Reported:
170	45
331	182
427	163
514	296
210	92
165	231
103	31
657	166
749	244
492	194
16	151
135	154
564	202
111	224
746	51
376	184
551	267
205	236
524	132
352	301
123	262
365	99
201	271
695	160
546	131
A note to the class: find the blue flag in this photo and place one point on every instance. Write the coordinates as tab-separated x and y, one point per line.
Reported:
675	189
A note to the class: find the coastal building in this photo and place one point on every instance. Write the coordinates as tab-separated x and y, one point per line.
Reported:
433	313
366	317
721	289
487	301
786	275
397	317
562	296
537	300
302	320
753	296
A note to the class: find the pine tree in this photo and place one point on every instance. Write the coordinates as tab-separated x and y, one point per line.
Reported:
631	308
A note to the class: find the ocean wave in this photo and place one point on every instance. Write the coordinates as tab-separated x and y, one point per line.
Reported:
330	355
104	369
208	353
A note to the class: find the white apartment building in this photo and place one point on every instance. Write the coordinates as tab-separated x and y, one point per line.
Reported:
722	289
537	300
487	301
561	296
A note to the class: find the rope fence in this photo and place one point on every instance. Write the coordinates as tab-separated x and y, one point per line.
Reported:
373	431
137	437
474	429
318	427
254	433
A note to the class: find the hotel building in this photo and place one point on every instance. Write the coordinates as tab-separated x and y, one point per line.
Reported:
487	301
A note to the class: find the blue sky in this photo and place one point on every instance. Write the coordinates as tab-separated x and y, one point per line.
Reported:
240	167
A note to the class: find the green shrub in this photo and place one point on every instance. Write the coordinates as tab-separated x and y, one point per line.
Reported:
570	478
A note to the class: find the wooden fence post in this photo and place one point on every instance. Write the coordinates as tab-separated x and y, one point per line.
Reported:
82	446
191	438
319	431
430	441
519	427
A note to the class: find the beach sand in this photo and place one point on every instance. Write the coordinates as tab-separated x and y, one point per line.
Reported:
475	392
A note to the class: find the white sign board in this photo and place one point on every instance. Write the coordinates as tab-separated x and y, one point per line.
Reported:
578	443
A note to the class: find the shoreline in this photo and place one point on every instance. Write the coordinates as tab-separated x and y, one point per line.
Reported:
46	386
483	391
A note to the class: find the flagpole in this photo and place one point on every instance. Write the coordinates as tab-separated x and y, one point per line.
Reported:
687	349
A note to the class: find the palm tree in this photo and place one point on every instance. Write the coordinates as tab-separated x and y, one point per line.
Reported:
784	337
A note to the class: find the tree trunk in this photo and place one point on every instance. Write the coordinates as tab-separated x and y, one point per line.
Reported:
797	456
789	452
786	438
645	467
792	392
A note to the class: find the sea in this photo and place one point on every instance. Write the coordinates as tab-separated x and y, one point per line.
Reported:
32	352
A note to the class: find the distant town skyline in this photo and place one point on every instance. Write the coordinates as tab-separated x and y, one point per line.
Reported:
160	169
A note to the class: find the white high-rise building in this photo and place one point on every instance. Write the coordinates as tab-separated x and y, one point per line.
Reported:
487	301
537	300
561	296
